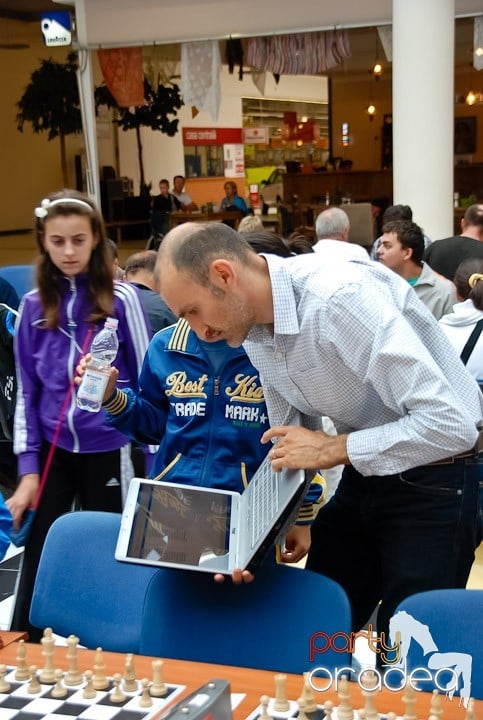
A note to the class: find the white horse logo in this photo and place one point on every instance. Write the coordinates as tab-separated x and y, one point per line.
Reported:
459	663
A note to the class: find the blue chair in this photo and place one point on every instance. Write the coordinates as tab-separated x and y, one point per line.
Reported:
21	277
81	589
443	629
268	624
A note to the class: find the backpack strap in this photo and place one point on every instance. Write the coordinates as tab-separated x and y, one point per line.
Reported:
471	342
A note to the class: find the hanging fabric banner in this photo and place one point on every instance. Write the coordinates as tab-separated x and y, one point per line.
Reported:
122	70
200	75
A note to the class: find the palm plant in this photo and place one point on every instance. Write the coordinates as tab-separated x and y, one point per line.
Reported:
51	103
159	104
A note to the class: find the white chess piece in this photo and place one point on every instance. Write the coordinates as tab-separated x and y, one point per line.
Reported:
130	682
344	711
47	674
59	690
89	692
117	695
281	703
158	687
22	671
100	680
4	684
264	715
73	676
145	700
34	684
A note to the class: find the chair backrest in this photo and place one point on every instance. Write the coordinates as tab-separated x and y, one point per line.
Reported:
21	277
81	589
443	629
362	226
271	623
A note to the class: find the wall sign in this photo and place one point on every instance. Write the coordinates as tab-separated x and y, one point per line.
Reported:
56	28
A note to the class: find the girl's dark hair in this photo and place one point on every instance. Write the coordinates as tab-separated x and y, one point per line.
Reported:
49	277
264	241
464	271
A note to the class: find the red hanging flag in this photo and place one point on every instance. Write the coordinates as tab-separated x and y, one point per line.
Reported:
122	70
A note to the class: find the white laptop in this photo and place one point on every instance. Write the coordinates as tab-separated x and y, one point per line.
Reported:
198	528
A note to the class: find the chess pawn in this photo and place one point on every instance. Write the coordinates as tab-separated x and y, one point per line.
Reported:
264	714
301	713
59	690
89	692
328	709
117	695
4	684
34	684
145	700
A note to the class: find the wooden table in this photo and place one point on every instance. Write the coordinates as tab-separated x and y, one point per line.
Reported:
253	683
176	218
118	225
8	637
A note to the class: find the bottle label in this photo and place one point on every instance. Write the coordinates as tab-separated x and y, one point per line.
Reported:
93	385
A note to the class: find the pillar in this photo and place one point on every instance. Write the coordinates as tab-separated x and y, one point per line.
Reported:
423	111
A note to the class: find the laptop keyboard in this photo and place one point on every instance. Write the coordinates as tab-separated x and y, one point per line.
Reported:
263	501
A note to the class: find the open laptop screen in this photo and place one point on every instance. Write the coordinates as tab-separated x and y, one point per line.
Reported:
180	525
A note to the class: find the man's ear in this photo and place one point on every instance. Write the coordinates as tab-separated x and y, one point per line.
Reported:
222	272
408	253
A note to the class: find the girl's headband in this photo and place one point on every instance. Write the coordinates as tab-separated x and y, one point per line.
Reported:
46	204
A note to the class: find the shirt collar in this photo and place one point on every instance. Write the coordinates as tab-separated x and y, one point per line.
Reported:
284	304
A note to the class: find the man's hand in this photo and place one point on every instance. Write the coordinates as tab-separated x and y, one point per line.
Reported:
238	577
23	497
297	544
113	375
296	447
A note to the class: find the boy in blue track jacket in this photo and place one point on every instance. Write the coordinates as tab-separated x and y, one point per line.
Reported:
203	404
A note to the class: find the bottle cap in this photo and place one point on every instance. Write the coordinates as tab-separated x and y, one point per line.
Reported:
111	323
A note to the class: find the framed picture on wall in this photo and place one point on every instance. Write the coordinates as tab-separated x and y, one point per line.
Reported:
464	135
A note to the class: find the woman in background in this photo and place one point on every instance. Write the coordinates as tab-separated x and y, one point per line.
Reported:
464	326
233	201
460	324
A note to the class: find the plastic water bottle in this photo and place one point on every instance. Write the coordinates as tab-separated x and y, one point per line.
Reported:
103	350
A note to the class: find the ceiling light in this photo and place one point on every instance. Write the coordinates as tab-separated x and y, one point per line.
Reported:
377	70
470	99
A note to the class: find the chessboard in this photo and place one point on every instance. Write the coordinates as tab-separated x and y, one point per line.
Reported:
27	693
279	707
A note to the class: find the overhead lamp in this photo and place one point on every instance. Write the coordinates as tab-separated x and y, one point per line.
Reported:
377	67
470	99
371	111
377	70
